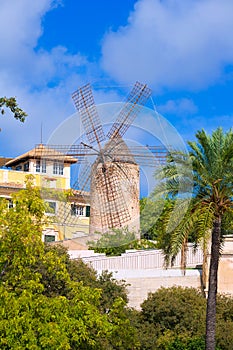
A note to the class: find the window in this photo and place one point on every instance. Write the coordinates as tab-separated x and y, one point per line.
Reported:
41	166
50	207
18	168
49	238
58	168
38	166
77	210
26	166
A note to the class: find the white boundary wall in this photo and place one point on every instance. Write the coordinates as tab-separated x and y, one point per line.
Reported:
143	259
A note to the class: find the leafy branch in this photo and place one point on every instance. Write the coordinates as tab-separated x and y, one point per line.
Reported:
11	103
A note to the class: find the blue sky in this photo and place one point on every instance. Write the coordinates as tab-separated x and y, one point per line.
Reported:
182	49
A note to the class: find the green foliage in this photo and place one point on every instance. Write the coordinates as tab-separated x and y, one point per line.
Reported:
169	308
212	203
151	212
13	106
111	290
113	243
188	344
118	241
174	318
31	321
20	243
43	303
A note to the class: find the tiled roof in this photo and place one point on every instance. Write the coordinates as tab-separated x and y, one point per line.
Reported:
41	151
4	160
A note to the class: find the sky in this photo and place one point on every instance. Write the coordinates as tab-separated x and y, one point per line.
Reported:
182	49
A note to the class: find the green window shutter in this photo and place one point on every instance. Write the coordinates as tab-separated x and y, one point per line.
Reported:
88	211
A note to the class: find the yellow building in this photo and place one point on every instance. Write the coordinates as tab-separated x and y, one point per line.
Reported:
68	211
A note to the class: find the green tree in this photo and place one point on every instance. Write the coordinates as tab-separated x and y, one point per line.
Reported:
42	306
169	309
174	318
118	241
212	162
151	216
111	289
11	104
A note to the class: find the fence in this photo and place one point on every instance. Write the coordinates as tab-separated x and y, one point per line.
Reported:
145	259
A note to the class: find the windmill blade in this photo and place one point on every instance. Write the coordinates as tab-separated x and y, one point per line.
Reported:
65	152
83	182
152	156
136	99
85	104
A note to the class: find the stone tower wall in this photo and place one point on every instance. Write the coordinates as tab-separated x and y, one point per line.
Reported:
114	197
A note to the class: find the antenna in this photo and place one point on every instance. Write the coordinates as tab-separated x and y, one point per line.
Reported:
41	133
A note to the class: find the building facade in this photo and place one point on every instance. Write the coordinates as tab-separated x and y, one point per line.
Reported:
68	210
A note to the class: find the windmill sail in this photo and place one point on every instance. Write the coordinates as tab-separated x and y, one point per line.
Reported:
136	99
85	104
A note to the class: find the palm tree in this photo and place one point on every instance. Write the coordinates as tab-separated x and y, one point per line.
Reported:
212	201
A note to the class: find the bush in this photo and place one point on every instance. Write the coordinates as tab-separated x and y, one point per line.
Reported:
177	309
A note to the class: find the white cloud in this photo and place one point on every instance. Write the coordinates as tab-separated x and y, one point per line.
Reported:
41	80
172	43
21	62
181	106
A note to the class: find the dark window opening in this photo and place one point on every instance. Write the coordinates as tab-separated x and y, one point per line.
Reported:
49	238
88	210
26	166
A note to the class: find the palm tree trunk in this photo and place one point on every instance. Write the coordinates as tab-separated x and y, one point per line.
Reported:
213	285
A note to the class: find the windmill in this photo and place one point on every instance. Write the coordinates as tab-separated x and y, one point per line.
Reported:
113	177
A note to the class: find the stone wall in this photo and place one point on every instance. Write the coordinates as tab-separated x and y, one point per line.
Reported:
142	282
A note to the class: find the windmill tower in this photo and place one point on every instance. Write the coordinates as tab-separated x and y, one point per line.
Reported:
115	173
115	190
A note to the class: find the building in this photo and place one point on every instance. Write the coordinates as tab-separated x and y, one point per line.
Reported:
68	210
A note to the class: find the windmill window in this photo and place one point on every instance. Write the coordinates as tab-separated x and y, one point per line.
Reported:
58	168
77	210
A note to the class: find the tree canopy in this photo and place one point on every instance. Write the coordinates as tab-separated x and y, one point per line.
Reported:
211	157
45	303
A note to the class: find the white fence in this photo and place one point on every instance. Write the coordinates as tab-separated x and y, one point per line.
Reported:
145	259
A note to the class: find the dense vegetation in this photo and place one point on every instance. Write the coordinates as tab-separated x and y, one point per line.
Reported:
197	189
49	301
